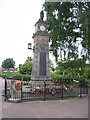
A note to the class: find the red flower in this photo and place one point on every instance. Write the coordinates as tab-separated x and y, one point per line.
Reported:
64	84
68	85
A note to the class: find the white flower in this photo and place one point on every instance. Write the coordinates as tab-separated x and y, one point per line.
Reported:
75	81
65	87
37	87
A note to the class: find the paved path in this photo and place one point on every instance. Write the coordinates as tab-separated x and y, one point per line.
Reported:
72	108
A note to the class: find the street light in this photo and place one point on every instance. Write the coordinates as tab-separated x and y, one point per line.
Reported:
51	48
30	46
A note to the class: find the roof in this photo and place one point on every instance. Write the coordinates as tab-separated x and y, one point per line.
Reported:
40	21
10	69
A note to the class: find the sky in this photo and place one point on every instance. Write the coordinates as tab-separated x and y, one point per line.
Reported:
17	20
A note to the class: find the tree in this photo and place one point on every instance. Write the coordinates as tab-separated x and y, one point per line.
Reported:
72	67
26	68
8	63
29	59
83	17
51	65
68	28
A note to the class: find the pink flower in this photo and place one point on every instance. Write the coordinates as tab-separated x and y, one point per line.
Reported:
53	92
31	88
57	87
18	81
49	87
40	88
43	89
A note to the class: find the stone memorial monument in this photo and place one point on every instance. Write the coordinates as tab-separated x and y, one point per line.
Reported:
40	67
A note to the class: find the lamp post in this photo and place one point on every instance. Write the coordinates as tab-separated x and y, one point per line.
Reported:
51	47
30	46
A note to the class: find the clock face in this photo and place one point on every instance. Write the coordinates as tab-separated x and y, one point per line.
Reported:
42	28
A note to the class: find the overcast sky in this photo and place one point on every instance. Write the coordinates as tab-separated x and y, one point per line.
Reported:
17	20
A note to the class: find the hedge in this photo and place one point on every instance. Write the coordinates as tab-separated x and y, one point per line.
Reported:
16	76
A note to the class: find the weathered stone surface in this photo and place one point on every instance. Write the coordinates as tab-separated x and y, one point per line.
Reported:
40	69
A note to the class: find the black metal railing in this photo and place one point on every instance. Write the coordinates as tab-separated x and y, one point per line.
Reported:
16	90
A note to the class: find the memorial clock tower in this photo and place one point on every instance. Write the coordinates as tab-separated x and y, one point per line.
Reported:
40	68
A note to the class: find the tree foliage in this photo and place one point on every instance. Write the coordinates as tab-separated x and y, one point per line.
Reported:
26	68
68	27
73	68
8	63
51	65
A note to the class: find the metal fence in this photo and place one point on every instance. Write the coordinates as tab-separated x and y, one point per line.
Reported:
16	90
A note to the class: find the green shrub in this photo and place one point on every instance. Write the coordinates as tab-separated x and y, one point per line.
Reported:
16	76
27	77
53	74
4	75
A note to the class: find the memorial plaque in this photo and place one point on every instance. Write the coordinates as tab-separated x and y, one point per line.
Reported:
42	68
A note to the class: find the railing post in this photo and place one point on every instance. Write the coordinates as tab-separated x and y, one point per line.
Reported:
86	82
21	89
84	86
62	89
80	89
44	90
5	89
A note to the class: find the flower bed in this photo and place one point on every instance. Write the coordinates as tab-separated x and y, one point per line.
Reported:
66	83
48	90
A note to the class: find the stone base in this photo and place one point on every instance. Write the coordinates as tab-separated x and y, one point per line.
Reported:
40	83
40	78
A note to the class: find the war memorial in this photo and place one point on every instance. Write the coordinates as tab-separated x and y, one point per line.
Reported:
42	86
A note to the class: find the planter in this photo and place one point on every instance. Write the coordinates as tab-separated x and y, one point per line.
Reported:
12	82
18	87
75	85
53	80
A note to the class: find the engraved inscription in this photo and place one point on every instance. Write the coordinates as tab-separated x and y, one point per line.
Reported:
42	69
